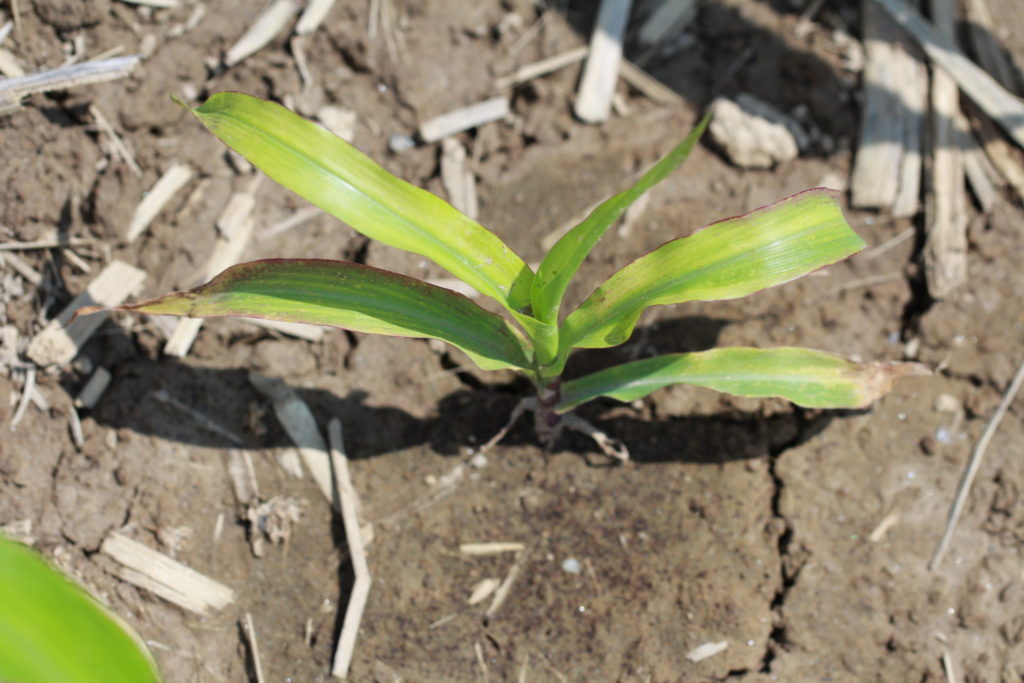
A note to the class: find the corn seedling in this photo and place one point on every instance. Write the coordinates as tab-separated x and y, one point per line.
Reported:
725	260
52	630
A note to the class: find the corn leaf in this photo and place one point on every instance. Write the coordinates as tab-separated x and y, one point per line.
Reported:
564	259
725	260
809	378
52	630
350	296
341	180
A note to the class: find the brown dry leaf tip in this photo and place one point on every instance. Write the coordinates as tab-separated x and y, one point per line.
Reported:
879	377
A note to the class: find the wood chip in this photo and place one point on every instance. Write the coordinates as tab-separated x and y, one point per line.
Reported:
173	179
61	340
268	24
601	72
300	425
1003	107
458	180
90	394
439	127
167	578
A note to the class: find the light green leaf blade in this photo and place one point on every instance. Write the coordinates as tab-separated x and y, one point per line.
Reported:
351	296
725	260
809	378
52	630
561	263
341	180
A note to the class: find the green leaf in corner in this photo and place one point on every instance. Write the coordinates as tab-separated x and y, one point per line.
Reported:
351	296
809	378
726	260
341	180
52	630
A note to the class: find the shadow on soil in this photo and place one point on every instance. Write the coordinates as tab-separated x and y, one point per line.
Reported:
175	401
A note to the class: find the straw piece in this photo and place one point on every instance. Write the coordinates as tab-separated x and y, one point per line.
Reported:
243	477
26	396
267	25
167	578
945	250
9	65
666	21
601	72
887	169
977	453
173	179
61	340
456	121
118	144
702	652
490	548
250	634
298	421
22	268
299	217
90	394
314	14
505	588
235	230
482	589
12	90
994	100
159	4
459	181
313	333
543	67
650	86
349	503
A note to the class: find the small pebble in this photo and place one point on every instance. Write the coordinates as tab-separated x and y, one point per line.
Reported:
571	565
400	143
478	461
943	436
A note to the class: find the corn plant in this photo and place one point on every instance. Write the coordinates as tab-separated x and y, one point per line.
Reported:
52	630
725	260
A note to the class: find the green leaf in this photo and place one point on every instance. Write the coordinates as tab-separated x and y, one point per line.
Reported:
52	630
809	378
726	260
351	296
564	259
341	180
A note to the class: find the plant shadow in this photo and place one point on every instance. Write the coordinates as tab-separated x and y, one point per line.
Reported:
219	408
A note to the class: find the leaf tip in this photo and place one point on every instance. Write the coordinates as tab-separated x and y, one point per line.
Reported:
880	377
